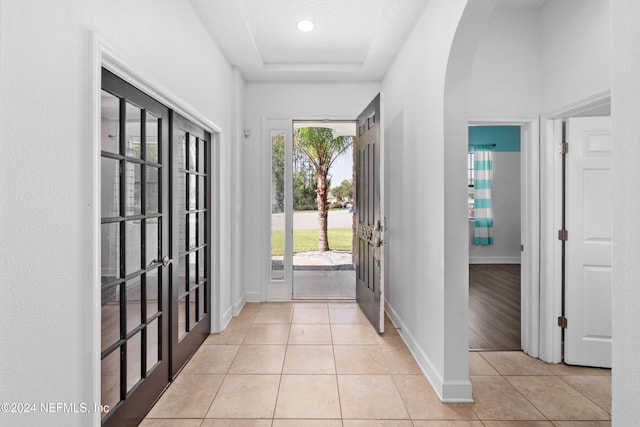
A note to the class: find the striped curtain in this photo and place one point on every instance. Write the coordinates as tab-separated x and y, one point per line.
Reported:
483	214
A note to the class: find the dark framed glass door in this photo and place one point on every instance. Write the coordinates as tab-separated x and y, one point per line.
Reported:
191	177
135	220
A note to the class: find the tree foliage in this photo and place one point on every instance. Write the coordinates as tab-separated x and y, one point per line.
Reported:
344	191
304	183
321	149
277	173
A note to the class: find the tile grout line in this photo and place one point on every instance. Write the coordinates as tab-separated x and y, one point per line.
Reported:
514	387
393	378
525	397
275	405
582	394
287	344
226	375
335	367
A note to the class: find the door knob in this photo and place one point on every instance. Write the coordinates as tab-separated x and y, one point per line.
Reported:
166	261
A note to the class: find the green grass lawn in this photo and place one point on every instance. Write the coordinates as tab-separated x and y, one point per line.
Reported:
307	240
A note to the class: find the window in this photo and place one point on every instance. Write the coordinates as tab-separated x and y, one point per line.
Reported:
471	176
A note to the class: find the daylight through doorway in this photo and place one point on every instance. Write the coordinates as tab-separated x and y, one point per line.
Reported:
322	183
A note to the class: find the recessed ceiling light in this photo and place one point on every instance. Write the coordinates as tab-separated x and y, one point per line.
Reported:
305	25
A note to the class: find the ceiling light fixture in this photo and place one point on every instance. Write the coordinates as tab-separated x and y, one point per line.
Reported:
305	25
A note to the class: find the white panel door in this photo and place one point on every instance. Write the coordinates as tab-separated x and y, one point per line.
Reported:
588	248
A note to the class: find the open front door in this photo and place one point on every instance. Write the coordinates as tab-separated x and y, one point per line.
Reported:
368	218
588	246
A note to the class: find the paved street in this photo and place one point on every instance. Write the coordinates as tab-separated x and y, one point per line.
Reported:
309	220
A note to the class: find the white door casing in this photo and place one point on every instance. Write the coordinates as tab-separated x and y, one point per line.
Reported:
588	248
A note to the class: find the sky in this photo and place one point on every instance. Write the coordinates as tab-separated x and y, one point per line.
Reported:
341	168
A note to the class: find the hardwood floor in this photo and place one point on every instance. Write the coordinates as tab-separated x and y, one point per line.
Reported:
494	306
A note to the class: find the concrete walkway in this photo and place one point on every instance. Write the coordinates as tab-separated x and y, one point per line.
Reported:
323	284
314	260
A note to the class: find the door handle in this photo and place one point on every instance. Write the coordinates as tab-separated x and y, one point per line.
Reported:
166	261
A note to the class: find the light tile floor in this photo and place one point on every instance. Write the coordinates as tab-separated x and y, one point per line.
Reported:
321	364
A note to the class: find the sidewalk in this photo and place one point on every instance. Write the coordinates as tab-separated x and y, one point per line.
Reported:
314	260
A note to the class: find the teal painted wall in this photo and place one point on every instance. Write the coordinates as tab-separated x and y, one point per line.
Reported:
506	138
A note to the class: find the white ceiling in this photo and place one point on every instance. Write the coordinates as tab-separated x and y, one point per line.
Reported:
341	128
353	40
520	4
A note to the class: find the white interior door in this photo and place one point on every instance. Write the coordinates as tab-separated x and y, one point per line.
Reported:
588	248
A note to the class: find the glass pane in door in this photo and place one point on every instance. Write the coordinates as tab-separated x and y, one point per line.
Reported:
153	292
133	190
110	252
153	353
277	204
152	189
110	380
153	129
191	151
110	123
110	316
134	365
110	187
132	245
132	142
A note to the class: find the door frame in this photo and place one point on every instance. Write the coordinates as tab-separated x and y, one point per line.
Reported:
551	220
103	55
280	290
277	290
530	228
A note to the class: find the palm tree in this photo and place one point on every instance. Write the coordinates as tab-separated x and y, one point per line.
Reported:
322	149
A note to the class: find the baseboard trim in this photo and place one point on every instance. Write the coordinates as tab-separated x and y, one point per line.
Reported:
494	260
447	391
253	297
226	318
239	305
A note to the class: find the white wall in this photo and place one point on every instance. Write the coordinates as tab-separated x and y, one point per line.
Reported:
576	51
625	111
505	80
505	200
559	54
505	84
46	215
237	290
427	217
282	101
575	65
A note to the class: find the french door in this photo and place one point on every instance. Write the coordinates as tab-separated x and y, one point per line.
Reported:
134	240
155	250
190	314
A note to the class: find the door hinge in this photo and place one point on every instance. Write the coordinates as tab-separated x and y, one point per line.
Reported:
564	148
562	322
563	235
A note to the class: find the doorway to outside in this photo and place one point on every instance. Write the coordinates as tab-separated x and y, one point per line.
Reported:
321	182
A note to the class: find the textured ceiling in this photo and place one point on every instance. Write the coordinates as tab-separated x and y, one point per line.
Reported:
352	40
520	4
